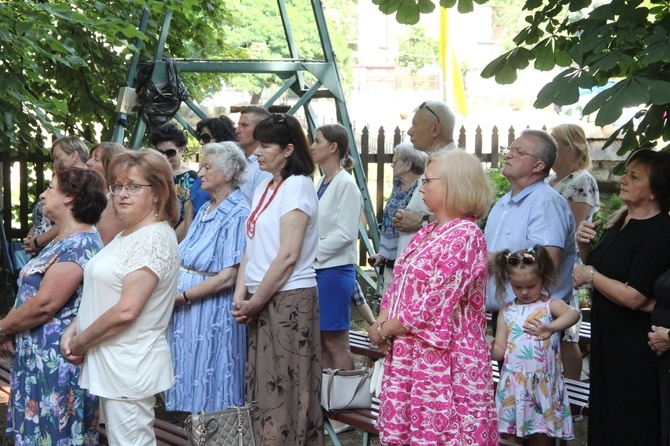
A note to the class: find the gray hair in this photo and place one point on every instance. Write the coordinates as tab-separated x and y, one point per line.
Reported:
545	149
407	152
447	118
229	158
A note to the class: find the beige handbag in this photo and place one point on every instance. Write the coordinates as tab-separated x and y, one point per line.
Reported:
346	389
230	427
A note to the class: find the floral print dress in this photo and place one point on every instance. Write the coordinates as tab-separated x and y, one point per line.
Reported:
46	405
532	397
437	387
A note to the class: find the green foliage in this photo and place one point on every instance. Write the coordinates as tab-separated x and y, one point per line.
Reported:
624	40
417	50
258	31
64	62
604	214
500	187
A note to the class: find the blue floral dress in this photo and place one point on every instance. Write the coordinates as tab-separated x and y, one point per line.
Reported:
46	405
531	396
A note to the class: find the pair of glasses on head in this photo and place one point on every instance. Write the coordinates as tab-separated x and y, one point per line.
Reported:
204	137
516	152
280	118
131	188
424	105
526	258
169	152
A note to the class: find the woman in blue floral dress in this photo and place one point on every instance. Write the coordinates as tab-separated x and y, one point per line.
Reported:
46	404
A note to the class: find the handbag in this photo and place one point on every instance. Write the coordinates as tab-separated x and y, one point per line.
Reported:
345	389
376	378
230	427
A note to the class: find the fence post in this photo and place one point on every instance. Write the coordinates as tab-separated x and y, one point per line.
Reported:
379	159
461	138
495	144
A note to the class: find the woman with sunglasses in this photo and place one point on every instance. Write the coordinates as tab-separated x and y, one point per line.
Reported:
128	297
169	140
276	292
437	386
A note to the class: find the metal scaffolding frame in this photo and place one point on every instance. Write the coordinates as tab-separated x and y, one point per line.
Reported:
290	71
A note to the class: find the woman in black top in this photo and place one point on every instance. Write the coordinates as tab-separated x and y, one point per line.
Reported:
624	405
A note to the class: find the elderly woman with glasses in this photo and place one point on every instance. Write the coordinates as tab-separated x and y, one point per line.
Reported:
169	140
437	386
208	347
408	166
129	293
276	293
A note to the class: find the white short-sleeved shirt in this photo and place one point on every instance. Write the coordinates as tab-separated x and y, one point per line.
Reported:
296	192
135	363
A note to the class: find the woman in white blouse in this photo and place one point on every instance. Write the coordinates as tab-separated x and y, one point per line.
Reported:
129	289
340	208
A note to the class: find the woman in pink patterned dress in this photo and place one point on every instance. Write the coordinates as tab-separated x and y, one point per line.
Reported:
437	387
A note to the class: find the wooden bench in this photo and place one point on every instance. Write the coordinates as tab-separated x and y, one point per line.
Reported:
362	419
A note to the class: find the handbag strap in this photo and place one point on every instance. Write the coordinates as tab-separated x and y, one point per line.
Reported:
361	382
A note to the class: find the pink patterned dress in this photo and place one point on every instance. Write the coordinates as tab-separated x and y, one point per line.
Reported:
437	387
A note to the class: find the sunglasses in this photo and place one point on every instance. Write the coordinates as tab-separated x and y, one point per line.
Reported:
526	258
424	105
169	152
205	137
280	118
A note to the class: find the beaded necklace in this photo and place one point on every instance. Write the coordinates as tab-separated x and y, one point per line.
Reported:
251	222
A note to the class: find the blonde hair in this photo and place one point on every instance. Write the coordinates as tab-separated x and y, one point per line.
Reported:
573	136
468	191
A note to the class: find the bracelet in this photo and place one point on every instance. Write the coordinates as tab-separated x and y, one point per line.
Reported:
185	298
35	243
379	331
591	274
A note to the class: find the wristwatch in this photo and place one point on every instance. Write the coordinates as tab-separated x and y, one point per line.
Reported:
424	220
2	333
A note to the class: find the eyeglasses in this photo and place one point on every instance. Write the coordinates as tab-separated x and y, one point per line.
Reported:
169	152
205	137
424	105
526	258
515	151
425	181
132	188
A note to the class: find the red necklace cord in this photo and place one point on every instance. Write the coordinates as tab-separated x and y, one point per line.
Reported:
251	222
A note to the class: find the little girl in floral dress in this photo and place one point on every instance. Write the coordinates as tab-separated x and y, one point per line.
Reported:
531	399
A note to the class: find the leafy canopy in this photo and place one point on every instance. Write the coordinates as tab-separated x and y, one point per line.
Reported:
627	41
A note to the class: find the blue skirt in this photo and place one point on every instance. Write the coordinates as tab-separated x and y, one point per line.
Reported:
336	285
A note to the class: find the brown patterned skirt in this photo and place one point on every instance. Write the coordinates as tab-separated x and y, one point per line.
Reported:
284	370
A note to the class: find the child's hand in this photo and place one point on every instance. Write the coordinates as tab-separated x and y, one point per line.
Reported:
539	329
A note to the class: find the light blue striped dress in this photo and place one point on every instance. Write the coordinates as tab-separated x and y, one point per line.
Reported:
208	346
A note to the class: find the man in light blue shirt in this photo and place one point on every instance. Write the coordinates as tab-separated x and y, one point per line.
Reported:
532	213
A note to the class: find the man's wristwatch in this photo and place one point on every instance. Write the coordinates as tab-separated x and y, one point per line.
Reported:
2	333
424	220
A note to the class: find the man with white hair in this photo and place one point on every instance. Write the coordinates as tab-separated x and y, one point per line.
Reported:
432	130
